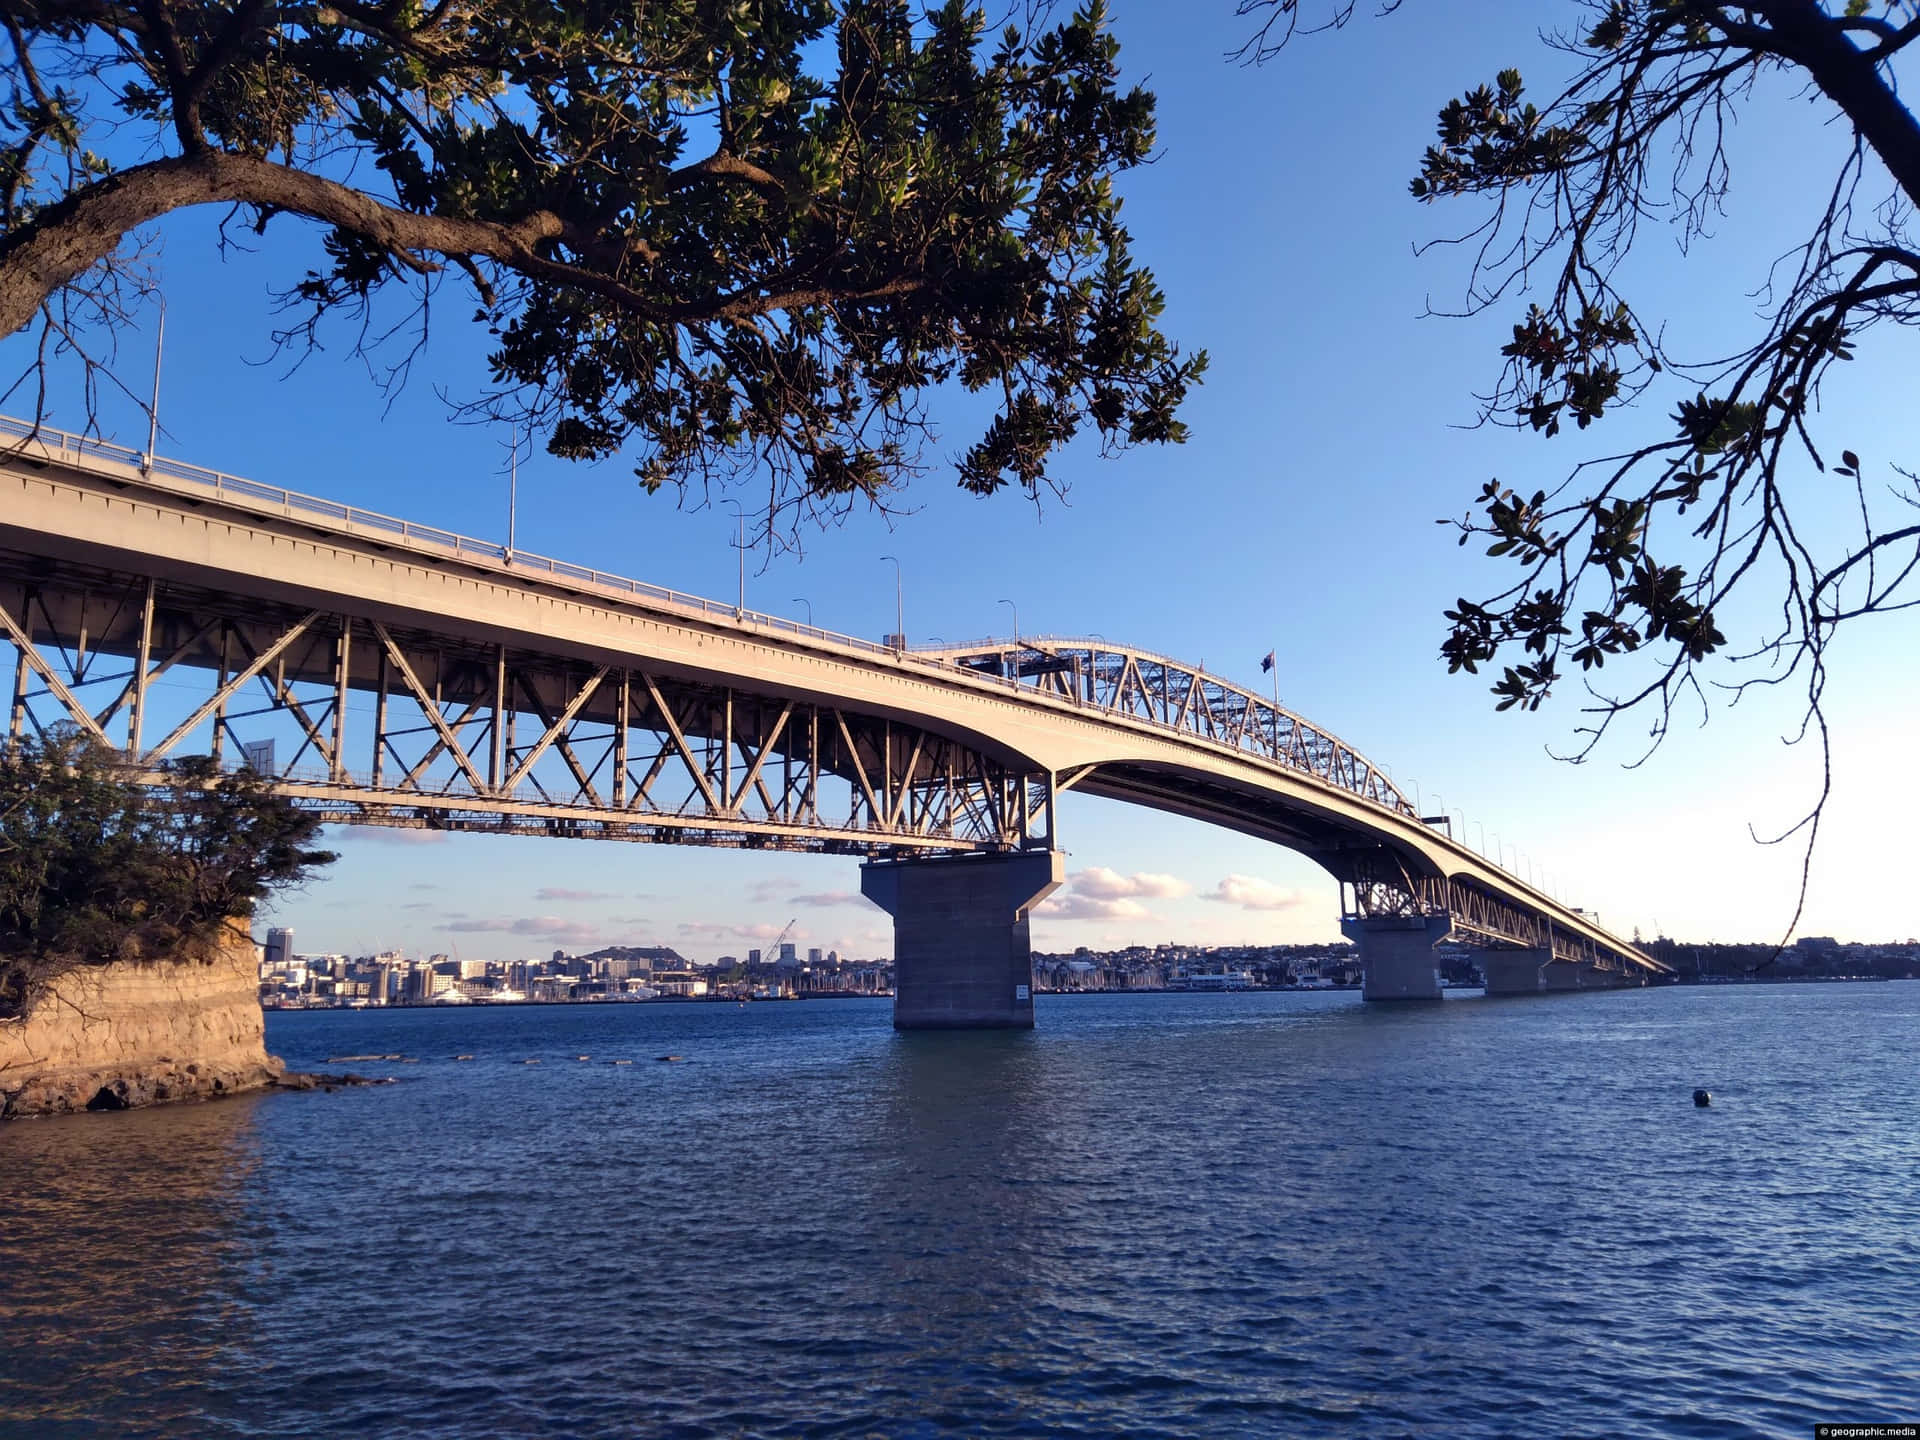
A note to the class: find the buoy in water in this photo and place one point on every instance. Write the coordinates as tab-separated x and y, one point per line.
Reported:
671	1059
1703	1098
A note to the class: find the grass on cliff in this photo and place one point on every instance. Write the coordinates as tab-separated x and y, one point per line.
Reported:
100	864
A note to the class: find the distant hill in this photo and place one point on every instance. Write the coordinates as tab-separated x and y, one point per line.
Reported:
654	957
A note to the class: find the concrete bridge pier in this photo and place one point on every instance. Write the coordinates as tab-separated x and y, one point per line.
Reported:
1514	972
962	953
1396	954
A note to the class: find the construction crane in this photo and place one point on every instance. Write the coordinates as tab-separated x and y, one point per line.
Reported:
782	937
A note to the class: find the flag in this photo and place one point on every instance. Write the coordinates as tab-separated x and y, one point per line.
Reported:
1267	663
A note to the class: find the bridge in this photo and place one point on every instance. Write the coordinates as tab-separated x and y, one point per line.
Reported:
382	672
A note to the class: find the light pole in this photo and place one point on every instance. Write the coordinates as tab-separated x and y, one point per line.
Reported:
513	491
899	606
153	410
1016	621
802	600
1483	837
740	547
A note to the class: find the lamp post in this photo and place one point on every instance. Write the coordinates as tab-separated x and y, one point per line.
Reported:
153	410
740	548
899	606
802	600
1016	621
513	492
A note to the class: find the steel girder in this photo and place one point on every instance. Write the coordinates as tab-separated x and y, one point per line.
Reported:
1140	685
370	723
1375	884
1375	881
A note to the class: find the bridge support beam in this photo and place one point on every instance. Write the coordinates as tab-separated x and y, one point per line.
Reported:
1514	972
962	953
1561	975
1396	955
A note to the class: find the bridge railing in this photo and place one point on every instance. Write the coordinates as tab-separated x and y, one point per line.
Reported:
62	443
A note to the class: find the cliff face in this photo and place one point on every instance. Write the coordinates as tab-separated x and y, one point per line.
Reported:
113	1037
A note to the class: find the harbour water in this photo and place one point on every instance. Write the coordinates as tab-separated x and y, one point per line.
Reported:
1205	1215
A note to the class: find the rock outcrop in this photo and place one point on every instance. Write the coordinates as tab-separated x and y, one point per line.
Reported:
117	1036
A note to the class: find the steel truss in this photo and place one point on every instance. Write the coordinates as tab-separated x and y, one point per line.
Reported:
1140	685
1376	886
371	723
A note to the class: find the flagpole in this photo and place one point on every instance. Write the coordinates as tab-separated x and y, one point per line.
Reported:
1276	705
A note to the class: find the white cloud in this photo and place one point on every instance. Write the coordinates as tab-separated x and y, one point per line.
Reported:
546	927
1251	893
824	898
1069	906
1100	883
557	892
710	930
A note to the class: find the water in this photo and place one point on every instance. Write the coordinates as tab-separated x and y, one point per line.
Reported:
1251	1215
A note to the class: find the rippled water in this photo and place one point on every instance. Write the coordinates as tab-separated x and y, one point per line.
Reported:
1156	1215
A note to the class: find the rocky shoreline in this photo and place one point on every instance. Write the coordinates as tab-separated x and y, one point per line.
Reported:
141	1033
74	1091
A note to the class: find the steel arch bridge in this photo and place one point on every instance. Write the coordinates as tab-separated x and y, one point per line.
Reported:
387	673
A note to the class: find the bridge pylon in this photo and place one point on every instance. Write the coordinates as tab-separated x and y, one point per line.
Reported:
962	950
1396	954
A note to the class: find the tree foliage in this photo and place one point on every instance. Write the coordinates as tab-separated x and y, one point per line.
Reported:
737	237
1644	552
98	867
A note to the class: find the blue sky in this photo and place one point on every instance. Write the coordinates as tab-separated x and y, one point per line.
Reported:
1328	439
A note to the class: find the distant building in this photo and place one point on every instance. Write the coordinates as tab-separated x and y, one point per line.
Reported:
813	955
753	957
279	948
787	953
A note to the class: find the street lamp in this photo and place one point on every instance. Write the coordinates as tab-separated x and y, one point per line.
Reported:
153	410
740	548
802	600
1016	621
899	606
1483	837
513	492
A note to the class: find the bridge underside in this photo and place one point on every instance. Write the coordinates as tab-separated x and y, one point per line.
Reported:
370	722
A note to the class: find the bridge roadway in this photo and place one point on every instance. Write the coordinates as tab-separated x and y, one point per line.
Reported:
383	672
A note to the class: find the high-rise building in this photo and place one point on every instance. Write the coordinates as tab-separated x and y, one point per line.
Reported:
813	955
786	952
753	957
279	948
